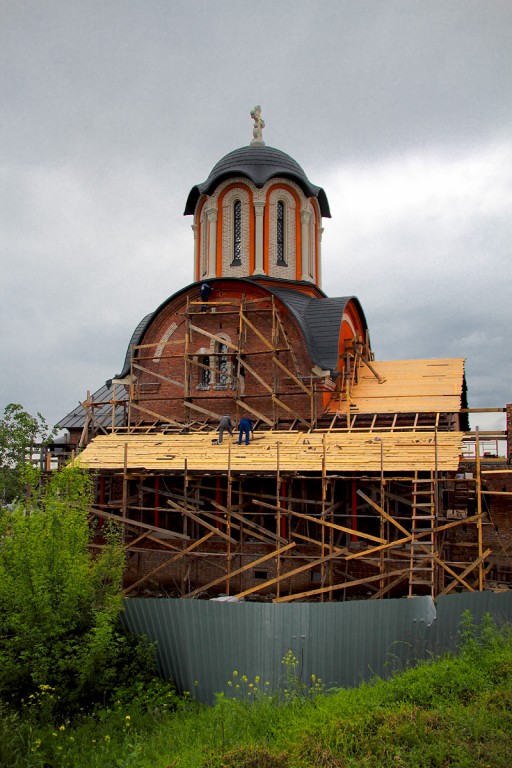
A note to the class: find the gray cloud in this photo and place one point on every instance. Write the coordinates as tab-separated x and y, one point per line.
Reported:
112	111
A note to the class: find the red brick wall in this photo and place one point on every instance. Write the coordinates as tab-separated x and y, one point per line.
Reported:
166	398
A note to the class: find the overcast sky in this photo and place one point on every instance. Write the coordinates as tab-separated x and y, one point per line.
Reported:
111	111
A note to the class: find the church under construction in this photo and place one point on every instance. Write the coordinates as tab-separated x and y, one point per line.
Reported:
361	479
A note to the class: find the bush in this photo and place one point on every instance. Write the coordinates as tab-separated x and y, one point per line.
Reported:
62	646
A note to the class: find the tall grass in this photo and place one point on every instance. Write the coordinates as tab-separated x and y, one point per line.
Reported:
454	712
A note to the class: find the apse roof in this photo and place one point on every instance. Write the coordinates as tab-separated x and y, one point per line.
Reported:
320	321
258	164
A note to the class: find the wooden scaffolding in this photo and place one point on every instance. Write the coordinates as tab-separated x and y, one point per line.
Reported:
320	506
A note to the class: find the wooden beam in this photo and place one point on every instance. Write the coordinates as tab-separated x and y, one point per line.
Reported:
242	528
271	391
335	526
249	523
333	587
321	521
257	332
382	512
390	586
382	547
220	339
317	543
137	524
159	375
195	407
290	410
169	495
289	574
254	373
241	570
290	374
254	412
466	571
158	416
200	521
168	562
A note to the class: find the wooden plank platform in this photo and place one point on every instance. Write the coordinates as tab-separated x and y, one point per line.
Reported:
409	386
298	452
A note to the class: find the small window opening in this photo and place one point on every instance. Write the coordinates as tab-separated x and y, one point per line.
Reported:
222	367
206	374
260	574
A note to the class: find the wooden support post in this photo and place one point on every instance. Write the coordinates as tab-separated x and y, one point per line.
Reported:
353	536
322	513
228	505
382	563
278	516
479	510
185	492
156	518
125	487
186	373
241	528
113	406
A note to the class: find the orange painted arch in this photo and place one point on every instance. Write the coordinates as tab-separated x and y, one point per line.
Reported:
220	225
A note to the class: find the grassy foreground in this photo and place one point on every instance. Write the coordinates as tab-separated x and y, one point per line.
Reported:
454	712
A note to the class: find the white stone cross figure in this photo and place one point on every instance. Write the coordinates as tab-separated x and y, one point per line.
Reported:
259	125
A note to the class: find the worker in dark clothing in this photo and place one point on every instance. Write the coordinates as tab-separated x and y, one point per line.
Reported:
225	423
205	291
245	426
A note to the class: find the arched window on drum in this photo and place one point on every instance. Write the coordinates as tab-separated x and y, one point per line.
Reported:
237	233
281	233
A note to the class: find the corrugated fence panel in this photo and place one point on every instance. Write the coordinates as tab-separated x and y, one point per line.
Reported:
201	643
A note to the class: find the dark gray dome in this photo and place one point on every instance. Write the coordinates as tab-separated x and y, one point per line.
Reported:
259	164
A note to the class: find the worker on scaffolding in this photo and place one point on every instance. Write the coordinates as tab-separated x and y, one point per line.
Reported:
225	423
246	428
205	291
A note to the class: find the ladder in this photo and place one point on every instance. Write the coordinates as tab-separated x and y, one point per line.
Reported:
421	560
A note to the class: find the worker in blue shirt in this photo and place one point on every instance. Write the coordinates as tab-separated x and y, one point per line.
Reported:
246	427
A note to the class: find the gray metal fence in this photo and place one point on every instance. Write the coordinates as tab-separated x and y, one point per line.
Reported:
201	643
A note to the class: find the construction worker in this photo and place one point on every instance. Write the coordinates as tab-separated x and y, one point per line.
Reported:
225	423
205	291
246	427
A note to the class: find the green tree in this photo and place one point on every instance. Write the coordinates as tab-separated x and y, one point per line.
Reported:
59	602
19	433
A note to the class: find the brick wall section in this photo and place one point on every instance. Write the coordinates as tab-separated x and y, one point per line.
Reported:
497	521
166	398
195	571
